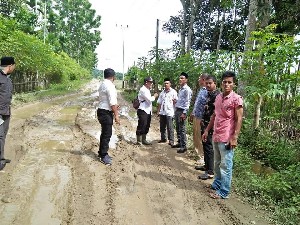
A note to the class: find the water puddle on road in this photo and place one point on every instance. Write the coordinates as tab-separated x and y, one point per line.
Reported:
68	115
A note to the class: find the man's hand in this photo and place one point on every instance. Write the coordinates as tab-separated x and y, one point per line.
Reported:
155	95
182	117
204	135
233	142
117	120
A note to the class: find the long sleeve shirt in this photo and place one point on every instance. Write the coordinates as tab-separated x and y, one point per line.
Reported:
200	103
184	98
166	101
145	99
6	89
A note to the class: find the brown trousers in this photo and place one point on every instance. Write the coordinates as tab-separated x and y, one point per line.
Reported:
197	136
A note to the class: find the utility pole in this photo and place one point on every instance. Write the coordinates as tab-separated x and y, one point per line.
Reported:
157	33
123	52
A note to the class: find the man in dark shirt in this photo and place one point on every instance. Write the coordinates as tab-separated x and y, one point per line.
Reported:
207	145
7	66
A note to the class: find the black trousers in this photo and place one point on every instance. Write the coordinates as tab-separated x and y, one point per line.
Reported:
180	128
208	151
105	118
166	122
143	122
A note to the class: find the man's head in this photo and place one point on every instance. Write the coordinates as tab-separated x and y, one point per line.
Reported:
167	83
210	83
228	80
8	64
201	79
183	78
148	81
109	74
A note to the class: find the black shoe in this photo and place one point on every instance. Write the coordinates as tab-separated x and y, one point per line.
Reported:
202	168
162	141
6	160
176	146
2	165
205	176
181	150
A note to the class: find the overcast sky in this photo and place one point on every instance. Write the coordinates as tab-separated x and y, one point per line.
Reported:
139	37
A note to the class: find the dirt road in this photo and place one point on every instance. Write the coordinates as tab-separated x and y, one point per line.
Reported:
55	176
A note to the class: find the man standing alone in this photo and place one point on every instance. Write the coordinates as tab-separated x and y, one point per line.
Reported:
182	106
107	109
227	122
7	66
165	110
144	111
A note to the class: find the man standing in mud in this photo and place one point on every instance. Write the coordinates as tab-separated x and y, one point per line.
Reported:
7	66
165	111
196	117
182	106
227	122
107	110
144	111
209	109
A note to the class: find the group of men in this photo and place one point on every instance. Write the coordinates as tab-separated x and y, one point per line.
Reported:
218	115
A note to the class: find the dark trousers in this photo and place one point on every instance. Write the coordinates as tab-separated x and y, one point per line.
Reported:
208	151
3	132
105	118
180	128
166	123
143	122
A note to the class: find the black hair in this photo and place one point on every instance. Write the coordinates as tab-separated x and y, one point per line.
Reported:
184	74
109	73
229	74
212	77
167	79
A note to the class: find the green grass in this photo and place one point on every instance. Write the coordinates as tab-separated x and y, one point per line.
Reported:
53	91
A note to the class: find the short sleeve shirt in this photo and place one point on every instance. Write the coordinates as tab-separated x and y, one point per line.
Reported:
224	125
107	95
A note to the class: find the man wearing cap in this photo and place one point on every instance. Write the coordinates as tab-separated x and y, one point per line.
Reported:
144	111
107	110
182	106
7	66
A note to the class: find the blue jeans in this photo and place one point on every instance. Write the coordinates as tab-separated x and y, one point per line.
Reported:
223	160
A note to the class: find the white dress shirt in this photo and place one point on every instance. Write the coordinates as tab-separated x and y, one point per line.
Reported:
145	99
107	95
166	102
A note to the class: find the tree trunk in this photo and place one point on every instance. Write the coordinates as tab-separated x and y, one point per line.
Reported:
194	9
251	26
257	112
183	27
221	31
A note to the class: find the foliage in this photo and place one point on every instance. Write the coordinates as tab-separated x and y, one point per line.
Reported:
33	55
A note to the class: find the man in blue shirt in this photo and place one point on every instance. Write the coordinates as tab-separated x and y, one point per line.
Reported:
197	113
181	108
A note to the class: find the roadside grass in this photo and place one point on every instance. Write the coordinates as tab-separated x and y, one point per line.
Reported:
53	91
274	187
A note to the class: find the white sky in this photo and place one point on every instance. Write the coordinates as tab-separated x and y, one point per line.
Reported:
139	37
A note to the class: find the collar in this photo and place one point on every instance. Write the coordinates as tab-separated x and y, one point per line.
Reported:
227	96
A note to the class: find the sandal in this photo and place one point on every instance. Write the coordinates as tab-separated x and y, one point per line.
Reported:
215	196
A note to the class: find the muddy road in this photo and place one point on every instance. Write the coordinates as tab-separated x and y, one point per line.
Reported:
55	176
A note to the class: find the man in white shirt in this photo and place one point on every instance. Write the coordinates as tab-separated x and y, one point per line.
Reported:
144	111
166	110
107	109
